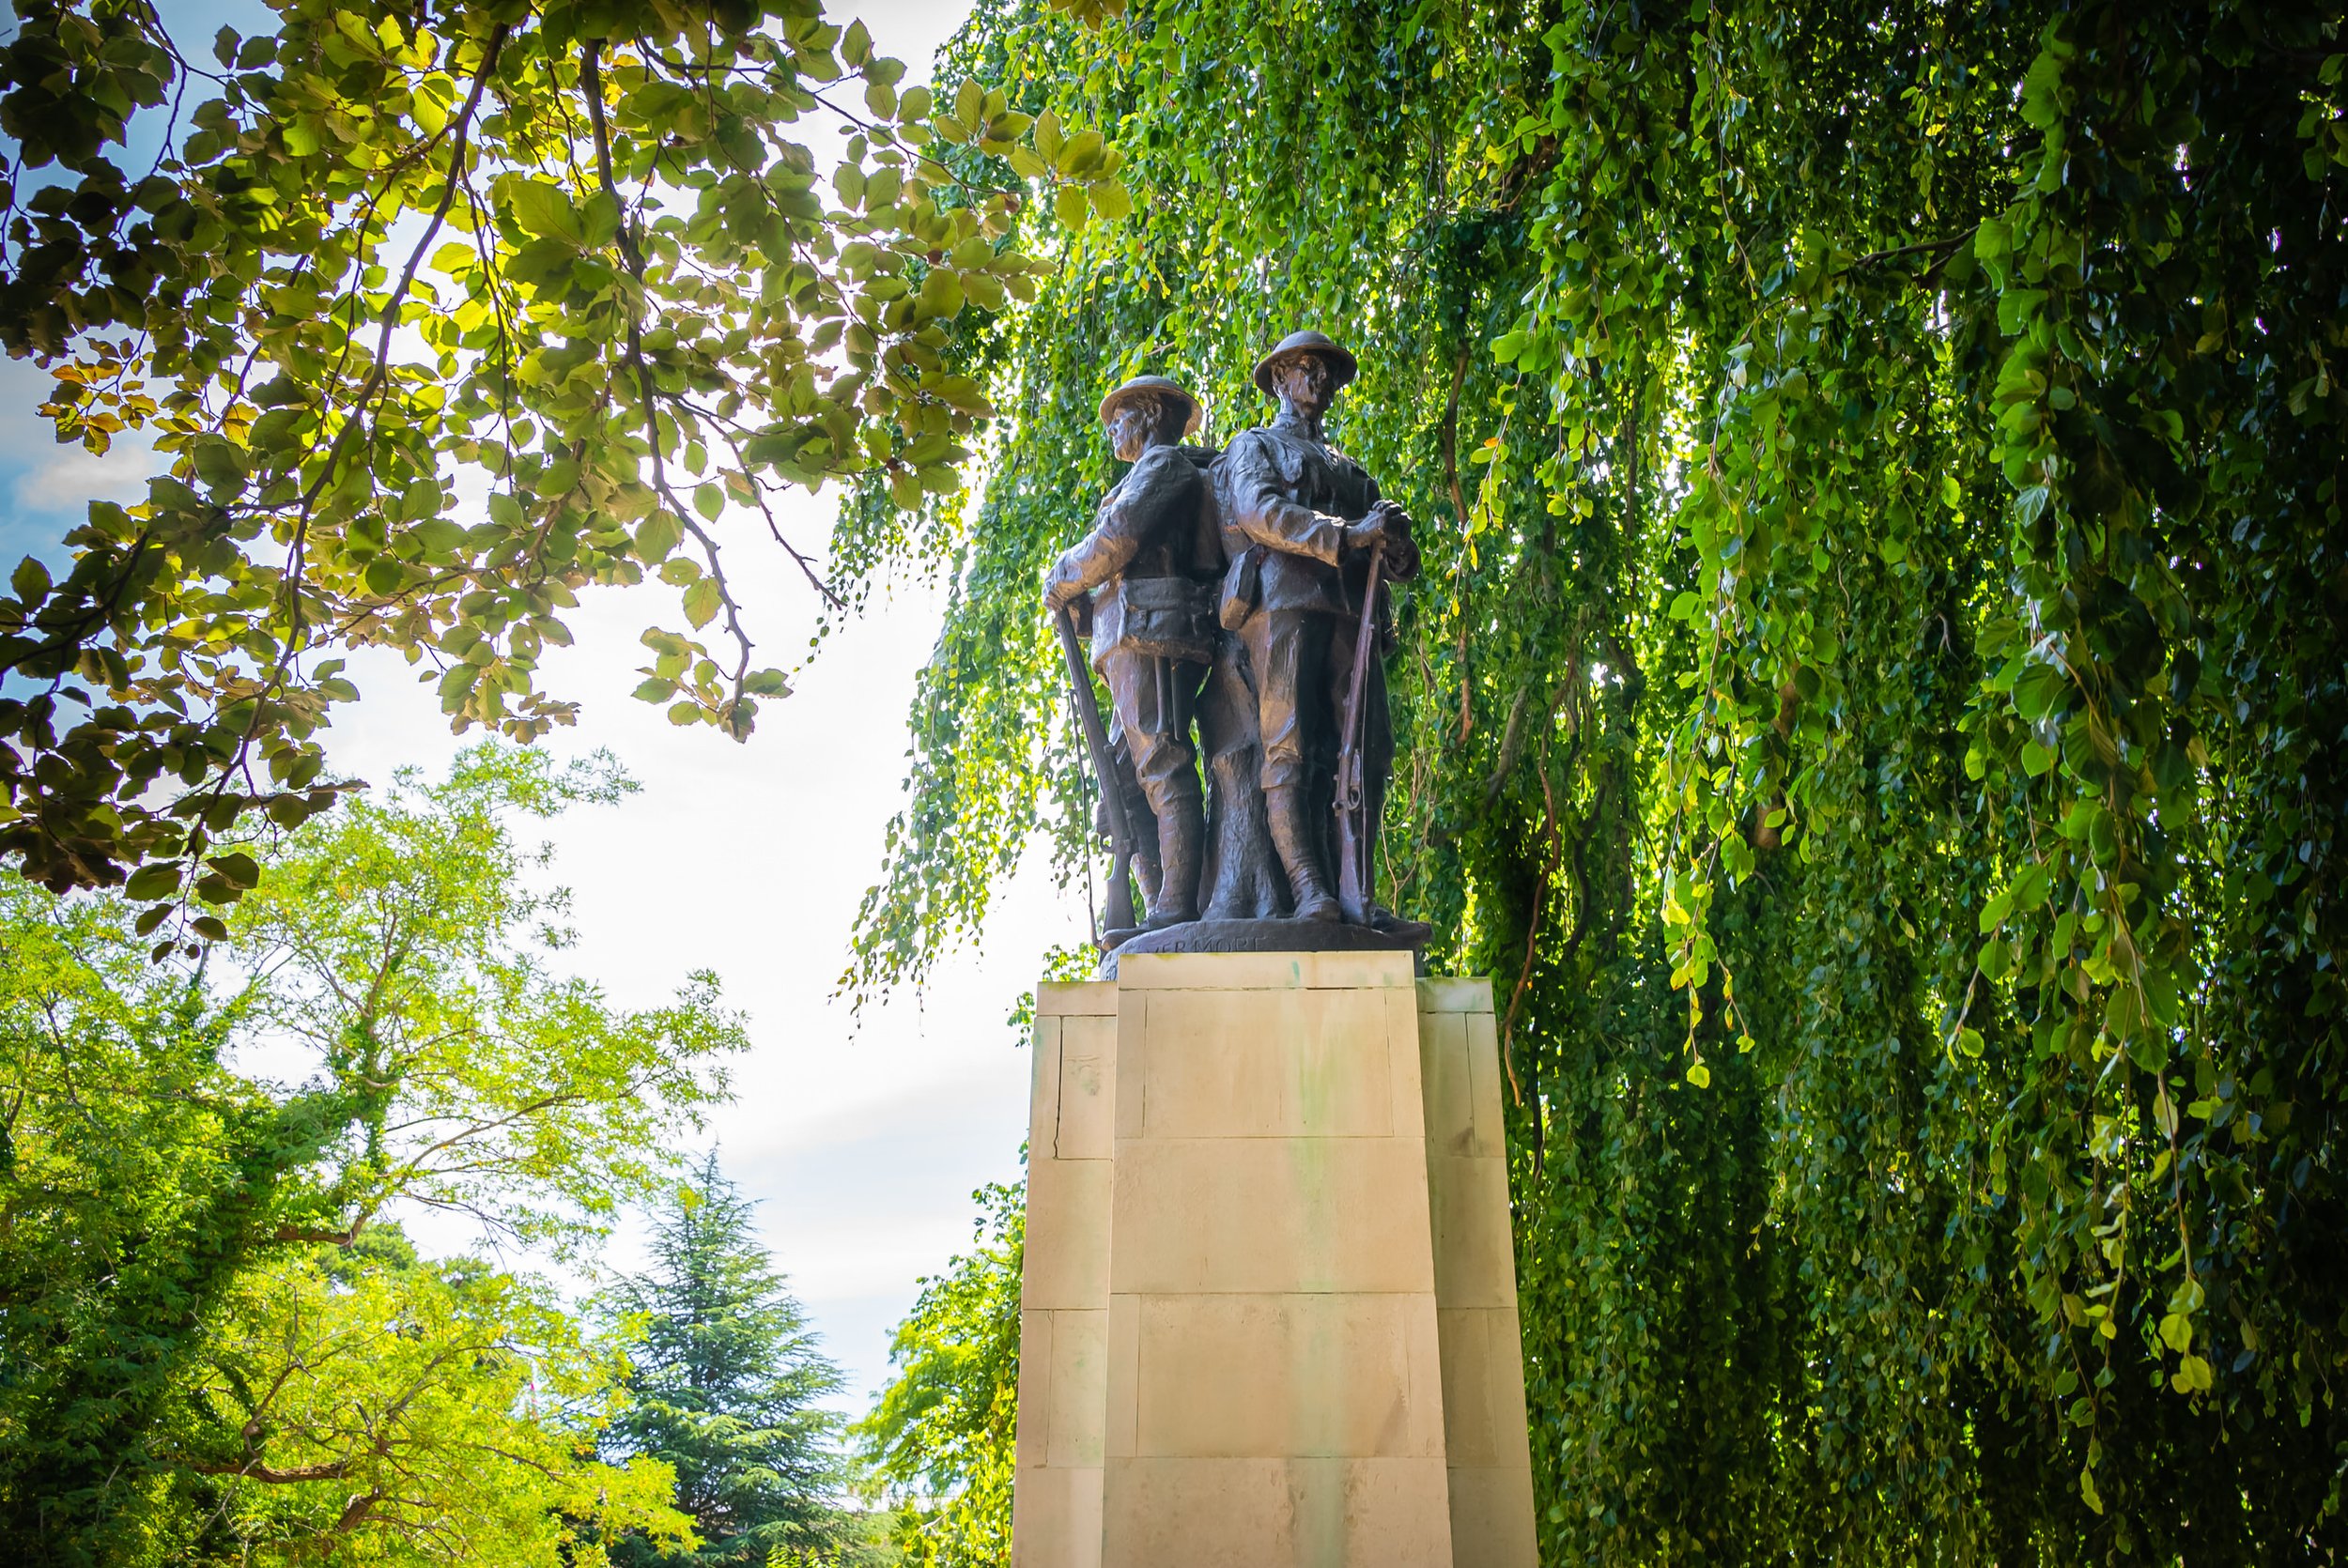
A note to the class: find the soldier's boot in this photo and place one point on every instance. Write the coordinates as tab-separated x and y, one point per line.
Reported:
1299	850
1182	836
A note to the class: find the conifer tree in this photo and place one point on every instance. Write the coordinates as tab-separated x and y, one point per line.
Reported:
725	1375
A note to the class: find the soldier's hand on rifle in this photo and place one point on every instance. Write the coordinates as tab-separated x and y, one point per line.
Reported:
1060	586
1387	523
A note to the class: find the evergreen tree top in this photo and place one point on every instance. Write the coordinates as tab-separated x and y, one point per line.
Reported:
726	1375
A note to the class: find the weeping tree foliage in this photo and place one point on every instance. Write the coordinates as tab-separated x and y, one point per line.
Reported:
1874	704
629	268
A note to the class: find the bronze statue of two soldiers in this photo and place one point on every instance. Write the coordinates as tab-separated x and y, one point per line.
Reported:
1238	617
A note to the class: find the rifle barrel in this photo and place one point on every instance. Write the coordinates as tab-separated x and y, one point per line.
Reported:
1096	738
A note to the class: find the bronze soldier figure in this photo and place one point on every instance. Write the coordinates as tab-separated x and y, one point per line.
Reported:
1299	521
1151	563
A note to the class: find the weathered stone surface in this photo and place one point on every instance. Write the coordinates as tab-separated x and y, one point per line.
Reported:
1271	1307
1275	1512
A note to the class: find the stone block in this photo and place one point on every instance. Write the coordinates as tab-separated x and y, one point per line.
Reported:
1474	1265
1483	1386
1035	1390
1132	1062
1455	996
1212	971
1270	1215
1450	1101
1084	1090
1358	971
1124	1399
1272	1377
1253	1064
1076	1405
1265	970
1056	1519
1043	1084
1300	1513
1406	1080
1485	1080
1492	1516
1075	998
1068	1235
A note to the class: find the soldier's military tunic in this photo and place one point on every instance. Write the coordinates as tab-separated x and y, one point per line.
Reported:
1296	602
1152	560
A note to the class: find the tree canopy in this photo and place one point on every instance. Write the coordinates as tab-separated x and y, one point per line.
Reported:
1875	704
215	1341
442	315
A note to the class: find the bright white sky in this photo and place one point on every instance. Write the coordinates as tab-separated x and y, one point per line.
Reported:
862	1141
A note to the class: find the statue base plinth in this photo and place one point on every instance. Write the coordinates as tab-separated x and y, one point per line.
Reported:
1260	936
1269	1314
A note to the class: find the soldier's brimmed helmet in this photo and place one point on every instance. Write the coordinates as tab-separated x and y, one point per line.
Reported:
1157	389
1299	345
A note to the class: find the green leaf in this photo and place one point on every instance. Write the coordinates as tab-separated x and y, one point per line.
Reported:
941	293
1079	154
701	602
656	536
30	581
238	867
542	211
219	465
156	881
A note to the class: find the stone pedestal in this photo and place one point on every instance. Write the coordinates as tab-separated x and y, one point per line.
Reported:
1269	1314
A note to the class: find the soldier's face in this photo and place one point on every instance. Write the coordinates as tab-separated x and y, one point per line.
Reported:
1308	382
1130	428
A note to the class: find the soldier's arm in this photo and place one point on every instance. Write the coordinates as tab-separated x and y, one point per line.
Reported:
1094	559
1259	509
1160	486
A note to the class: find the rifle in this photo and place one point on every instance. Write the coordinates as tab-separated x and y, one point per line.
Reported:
1120	913
1353	833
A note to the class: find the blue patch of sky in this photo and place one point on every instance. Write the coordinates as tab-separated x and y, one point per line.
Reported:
46	488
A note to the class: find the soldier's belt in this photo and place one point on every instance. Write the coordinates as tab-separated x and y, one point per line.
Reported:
1167	618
